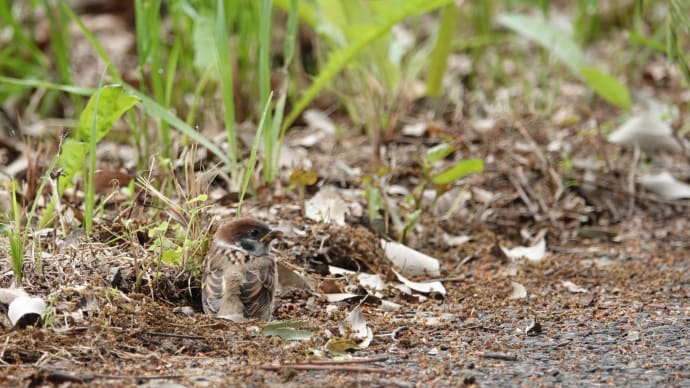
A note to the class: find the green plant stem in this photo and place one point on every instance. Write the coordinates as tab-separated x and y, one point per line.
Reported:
225	72
265	85
441	51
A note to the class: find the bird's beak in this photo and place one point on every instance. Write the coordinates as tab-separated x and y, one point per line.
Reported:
272	235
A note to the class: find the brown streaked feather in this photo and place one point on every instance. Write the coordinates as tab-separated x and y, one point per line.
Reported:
256	291
220	263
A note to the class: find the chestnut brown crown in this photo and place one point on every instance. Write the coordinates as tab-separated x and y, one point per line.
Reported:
247	234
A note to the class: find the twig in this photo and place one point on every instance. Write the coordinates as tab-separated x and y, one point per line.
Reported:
175	335
347	361
341	368
499	356
64	373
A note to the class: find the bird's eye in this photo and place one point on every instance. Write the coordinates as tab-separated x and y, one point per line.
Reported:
254	233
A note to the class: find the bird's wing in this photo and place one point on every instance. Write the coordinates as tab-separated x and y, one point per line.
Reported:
212	290
219	264
256	291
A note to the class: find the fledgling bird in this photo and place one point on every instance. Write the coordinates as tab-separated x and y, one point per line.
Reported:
239	273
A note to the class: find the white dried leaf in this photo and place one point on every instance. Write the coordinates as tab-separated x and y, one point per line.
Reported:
326	206
372	282
453	241
534	253
409	261
333	270
572	287
7	295
482	196
666	186
519	291
357	327
415	130
25	307
319	120
424	287
389	306
647	131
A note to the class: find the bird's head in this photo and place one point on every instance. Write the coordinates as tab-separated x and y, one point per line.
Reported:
247	234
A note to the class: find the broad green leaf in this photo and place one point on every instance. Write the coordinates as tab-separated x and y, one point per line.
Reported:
288	330
198	198
72	160
556	41
172	257
438	152
113	102
460	170
607	87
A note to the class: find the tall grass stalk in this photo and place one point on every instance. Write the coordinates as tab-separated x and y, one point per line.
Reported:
252	155
89	186
59	38
442	50
14	234
288	54
225	73
269	135
148	31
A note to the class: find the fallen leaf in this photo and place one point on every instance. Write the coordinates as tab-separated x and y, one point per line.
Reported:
572	287
453	241
534	253
409	261
372	282
416	130
287	330
646	130
289	278
326	206
319	120
425	287
666	186
519	291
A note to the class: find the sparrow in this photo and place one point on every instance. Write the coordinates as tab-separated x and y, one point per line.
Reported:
239	273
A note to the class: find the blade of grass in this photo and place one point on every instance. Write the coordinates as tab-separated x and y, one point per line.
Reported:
252	155
225	71
89	195
39	84
288	54
265	85
17	243
442	50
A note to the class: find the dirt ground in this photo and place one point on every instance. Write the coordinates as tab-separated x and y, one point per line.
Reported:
630	328
623	319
